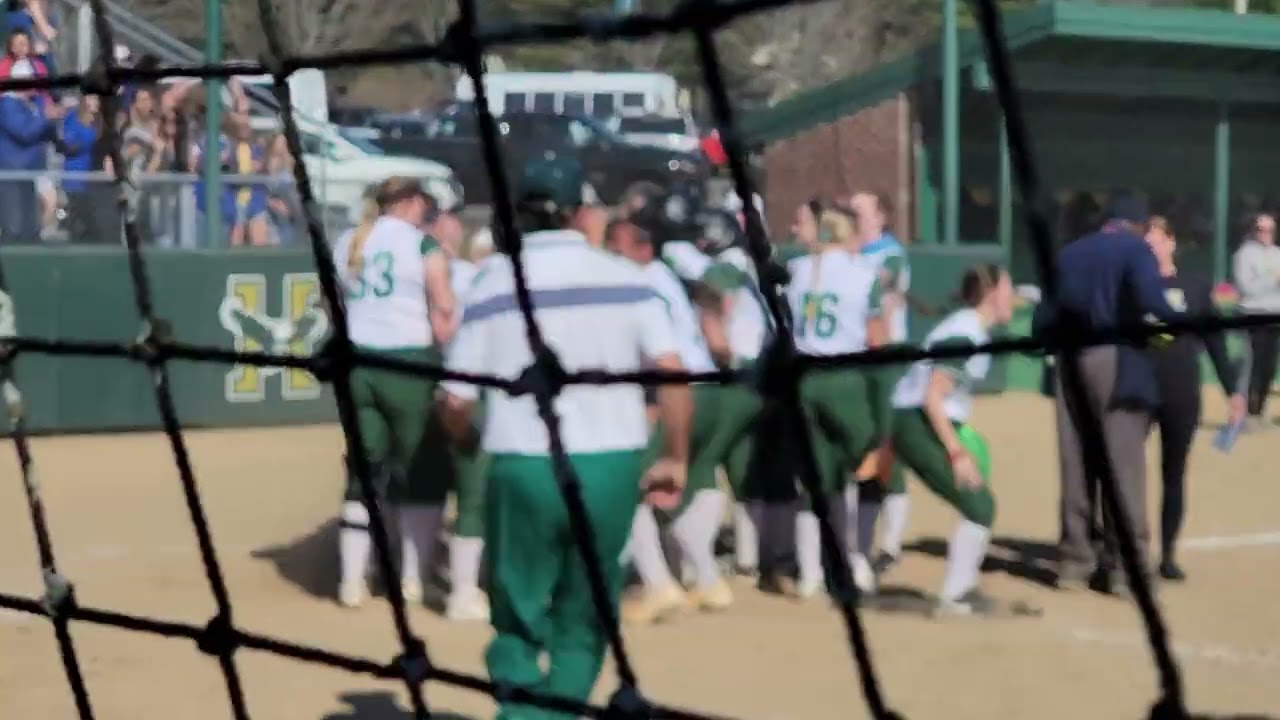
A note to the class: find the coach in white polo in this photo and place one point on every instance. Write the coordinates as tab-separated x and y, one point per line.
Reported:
596	312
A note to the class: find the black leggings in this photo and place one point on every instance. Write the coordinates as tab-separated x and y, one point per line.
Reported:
1178	417
1265	344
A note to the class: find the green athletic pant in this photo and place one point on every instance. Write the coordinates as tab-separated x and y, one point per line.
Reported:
839	407
722	417
916	445
402	433
471	468
539	596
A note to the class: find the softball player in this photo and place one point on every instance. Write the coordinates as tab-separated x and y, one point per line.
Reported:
398	302
466	601
866	499
932	436
595	310
740	309
835	297
697	521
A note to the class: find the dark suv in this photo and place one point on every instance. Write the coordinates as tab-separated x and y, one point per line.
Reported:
610	162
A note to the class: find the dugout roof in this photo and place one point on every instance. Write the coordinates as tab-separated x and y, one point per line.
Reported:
1073	48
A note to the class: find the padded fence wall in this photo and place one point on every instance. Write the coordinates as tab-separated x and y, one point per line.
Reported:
248	300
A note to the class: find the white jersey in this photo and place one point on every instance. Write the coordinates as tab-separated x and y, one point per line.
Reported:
747	326
686	259
387	300
964	328
832	296
461	275
686	324
890	258
596	311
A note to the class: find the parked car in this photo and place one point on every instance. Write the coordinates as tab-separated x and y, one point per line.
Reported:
673	133
611	162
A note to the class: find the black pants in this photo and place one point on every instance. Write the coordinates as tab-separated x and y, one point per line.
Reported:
1178	417
1265	344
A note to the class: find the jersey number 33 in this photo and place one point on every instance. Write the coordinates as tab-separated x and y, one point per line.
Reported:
376	277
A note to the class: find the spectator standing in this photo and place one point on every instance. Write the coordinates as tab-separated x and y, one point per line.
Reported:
90	206
27	127
146	149
1106	279
284	207
30	17
18	47
1257	275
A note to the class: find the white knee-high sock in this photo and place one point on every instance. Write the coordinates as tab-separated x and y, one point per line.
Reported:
808	548
851	512
354	543
465	554
696	530
965	553
746	539
897	508
646	551
419	532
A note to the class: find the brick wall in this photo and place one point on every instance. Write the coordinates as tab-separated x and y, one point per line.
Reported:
870	150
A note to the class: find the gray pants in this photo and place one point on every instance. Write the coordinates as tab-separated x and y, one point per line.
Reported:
1125	432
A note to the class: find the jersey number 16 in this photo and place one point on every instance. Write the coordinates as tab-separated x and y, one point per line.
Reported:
819	318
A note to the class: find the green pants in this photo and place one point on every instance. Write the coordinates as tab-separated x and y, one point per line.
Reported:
403	436
840	409
722	418
917	446
539	596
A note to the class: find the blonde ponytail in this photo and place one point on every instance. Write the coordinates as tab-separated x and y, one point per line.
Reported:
369	215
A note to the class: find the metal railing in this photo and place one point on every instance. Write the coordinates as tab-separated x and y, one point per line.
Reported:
68	207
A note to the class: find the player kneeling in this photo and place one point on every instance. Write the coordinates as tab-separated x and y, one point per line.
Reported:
932	435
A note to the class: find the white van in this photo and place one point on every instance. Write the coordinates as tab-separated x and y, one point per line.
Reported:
579	92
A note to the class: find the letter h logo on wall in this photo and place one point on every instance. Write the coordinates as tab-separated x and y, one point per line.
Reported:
296	330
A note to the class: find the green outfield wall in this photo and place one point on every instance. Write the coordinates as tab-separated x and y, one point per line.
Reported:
257	300
250	300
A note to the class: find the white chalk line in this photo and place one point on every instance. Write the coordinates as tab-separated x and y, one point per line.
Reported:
1227	542
1218	654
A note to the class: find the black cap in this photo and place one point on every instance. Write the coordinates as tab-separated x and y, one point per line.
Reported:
1128	206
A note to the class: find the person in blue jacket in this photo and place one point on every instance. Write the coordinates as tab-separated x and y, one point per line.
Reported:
27	127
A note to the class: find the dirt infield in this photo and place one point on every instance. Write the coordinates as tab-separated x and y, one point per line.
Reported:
122	535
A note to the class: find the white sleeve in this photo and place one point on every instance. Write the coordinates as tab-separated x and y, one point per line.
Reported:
656	335
689	262
466	354
977	366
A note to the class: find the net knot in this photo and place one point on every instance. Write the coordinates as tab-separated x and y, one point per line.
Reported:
414	664
97	81
59	596
627	703
778	372
543	378
1168	708
218	638
277	67
156	335
329	357
457	43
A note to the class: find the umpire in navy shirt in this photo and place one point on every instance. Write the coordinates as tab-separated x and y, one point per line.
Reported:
1106	278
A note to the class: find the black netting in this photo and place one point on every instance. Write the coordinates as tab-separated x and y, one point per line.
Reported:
464	45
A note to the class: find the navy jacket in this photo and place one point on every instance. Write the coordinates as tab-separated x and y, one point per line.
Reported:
1105	279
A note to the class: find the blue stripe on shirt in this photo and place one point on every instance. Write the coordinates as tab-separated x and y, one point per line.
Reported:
558	299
